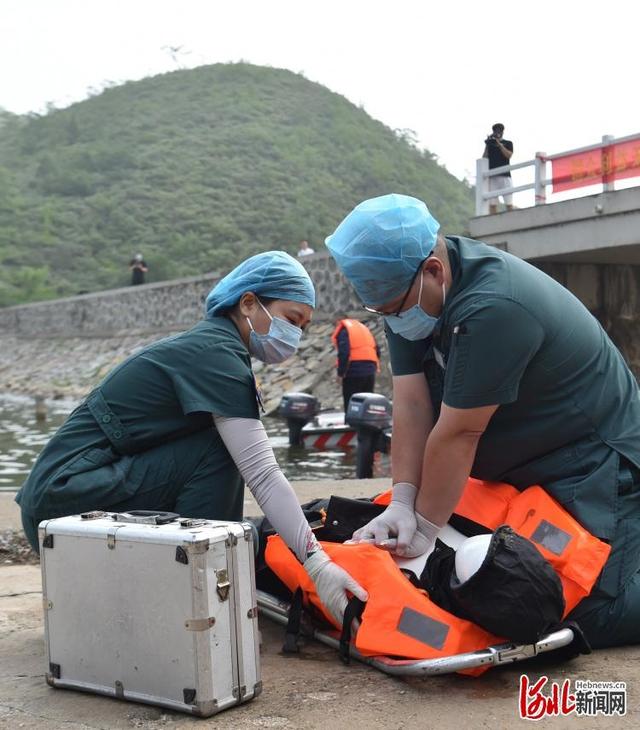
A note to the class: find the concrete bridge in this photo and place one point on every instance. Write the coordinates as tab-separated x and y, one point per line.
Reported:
598	229
589	244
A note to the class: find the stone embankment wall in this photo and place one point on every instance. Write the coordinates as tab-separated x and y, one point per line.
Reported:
70	367
65	347
163	307
166	306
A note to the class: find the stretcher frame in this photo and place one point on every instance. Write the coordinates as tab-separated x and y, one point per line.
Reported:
507	653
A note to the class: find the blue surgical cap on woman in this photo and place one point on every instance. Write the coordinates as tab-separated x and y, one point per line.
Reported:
380	245
272	274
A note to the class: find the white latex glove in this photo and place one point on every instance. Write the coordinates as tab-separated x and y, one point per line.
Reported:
331	583
423	540
397	521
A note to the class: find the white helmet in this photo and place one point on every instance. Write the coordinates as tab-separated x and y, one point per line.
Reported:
470	556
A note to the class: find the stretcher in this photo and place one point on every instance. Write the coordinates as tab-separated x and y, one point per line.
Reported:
507	653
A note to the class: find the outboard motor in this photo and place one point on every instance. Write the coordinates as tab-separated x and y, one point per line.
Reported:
298	409
370	416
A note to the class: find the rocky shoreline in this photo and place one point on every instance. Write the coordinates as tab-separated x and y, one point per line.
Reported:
69	367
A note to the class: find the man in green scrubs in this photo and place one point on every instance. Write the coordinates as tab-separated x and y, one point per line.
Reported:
502	374
176	426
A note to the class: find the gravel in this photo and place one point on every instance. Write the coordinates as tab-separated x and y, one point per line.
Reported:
15	549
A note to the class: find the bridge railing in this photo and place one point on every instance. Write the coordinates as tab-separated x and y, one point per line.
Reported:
602	163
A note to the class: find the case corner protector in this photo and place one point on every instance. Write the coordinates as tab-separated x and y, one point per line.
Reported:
205	709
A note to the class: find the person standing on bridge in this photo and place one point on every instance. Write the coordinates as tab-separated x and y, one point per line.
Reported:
500	373
176	427
358	358
498	151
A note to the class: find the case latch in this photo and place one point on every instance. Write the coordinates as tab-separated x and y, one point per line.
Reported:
187	522
223	585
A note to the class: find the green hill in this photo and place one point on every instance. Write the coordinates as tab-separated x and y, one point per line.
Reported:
196	169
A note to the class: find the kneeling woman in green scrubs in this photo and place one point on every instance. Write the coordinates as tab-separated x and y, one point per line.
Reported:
176	426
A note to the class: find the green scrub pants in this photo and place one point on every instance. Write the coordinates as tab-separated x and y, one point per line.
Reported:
610	616
193	476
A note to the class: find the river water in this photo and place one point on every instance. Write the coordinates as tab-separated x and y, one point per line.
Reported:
22	438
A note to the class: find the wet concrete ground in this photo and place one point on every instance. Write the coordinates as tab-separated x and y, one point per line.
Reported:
309	690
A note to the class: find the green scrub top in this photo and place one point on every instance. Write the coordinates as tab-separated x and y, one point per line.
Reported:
569	406
162	394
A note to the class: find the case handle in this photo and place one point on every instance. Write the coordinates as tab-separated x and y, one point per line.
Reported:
145	517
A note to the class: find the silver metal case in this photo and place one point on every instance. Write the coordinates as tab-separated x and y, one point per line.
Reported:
162	614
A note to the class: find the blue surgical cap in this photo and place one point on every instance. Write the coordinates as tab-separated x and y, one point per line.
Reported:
381	243
272	274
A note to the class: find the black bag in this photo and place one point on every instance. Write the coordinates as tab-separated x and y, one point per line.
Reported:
333	520
515	593
345	516
266	579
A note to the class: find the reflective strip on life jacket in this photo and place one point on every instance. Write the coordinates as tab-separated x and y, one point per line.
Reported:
575	554
362	344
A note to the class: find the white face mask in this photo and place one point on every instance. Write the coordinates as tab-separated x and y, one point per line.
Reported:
278	344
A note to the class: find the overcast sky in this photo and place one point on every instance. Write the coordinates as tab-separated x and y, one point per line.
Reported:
559	74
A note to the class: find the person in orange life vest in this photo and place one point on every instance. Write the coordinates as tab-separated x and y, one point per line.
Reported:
500	373
358	357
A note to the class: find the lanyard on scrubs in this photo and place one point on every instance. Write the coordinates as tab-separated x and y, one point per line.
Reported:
258	394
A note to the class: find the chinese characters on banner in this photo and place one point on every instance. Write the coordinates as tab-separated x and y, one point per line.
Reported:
602	165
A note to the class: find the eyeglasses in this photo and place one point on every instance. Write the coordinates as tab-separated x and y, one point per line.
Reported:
398	312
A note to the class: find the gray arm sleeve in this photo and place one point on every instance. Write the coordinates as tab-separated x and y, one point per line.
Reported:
248	444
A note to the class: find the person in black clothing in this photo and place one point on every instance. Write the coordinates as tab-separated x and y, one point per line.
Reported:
358	358
498	151
138	269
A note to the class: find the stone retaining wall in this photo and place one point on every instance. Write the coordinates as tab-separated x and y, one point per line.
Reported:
66	346
69	367
162	307
165	306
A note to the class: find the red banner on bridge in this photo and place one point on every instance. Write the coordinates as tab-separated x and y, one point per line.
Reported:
594	167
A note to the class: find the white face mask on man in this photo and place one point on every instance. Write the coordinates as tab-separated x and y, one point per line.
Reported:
278	344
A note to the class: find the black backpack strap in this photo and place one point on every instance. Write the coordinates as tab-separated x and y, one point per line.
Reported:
292	632
579	645
353	611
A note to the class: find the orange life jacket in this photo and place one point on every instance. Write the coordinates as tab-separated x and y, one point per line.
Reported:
362	344
400	619
394	604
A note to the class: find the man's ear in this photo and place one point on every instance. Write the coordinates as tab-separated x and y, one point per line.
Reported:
435	268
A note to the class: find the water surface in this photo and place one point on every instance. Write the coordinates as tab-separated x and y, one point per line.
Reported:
22	437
